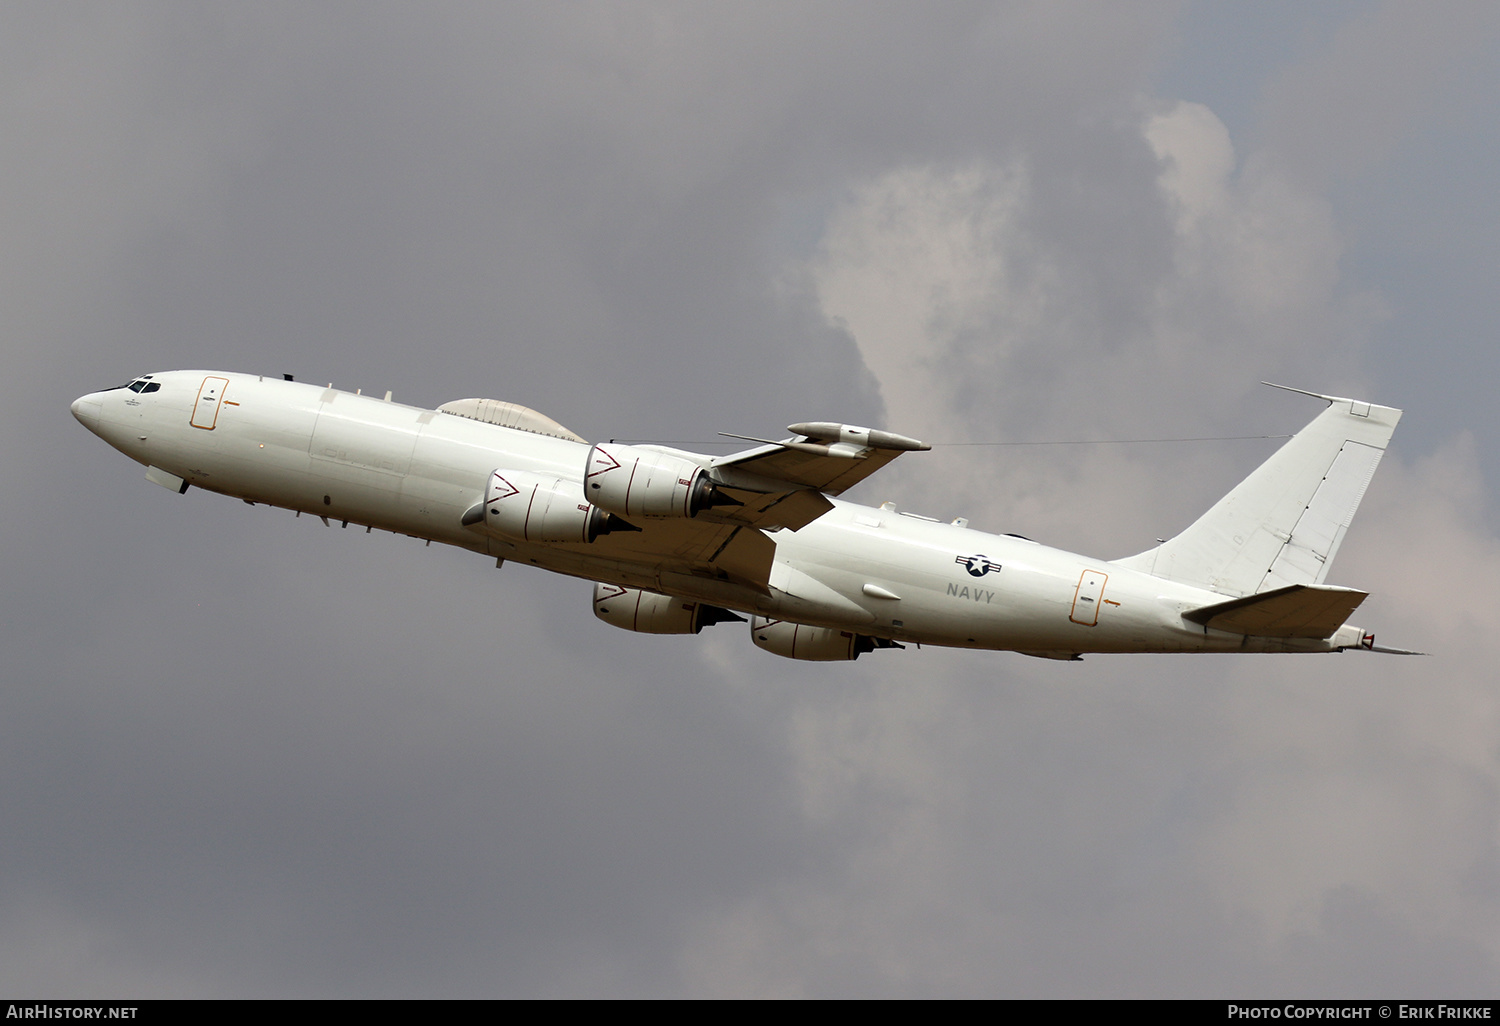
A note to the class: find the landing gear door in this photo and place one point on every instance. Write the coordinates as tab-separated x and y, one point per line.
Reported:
206	409
1086	598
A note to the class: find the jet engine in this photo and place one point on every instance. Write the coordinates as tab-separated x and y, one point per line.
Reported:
531	507
799	641
650	613
638	482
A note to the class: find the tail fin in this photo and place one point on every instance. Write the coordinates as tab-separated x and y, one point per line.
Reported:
1283	524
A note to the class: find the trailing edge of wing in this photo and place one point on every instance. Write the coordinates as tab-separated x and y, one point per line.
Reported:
1297	611
792	509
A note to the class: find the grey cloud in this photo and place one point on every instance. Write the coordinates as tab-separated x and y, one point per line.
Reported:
1349	107
245	754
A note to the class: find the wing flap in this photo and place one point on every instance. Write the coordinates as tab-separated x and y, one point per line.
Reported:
746	555
790	509
1297	611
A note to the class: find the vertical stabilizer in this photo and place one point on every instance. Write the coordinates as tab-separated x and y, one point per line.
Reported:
1283	524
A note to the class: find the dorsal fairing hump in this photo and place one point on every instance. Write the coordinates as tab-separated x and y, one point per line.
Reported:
509	415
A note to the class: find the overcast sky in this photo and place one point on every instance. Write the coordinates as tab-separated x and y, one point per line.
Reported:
242	754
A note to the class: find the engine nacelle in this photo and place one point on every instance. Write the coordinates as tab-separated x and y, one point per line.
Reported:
650	613
799	641
637	482
523	506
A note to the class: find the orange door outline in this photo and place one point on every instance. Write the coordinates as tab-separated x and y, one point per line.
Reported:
206	407
1086	598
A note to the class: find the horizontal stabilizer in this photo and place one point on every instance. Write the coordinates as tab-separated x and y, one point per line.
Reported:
1298	611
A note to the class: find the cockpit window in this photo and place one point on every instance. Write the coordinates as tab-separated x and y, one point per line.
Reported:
136	386
154	386
144	385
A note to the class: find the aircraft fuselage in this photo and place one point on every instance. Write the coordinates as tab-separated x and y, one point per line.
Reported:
364	460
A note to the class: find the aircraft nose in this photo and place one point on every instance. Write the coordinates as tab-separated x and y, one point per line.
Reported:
86	410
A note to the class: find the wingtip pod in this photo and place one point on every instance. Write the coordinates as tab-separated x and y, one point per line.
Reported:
797	474
827	431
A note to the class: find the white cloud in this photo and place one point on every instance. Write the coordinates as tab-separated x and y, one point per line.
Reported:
984	319
920	263
1284	798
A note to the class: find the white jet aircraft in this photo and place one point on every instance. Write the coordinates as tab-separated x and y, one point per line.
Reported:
675	540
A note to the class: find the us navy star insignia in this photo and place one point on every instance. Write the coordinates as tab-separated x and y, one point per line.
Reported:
977	566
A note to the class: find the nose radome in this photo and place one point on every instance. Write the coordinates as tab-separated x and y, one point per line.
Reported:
86	410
